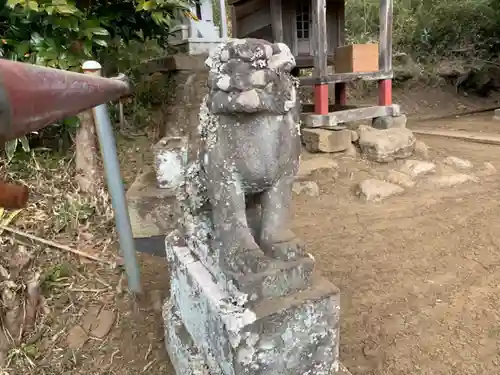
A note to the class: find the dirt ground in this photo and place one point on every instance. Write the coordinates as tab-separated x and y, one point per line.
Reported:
419	277
418	273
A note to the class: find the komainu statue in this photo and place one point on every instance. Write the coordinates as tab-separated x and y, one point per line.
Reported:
241	181
244	299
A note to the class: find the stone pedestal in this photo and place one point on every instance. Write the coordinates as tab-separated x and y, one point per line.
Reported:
152	213
196	46
208	333
197	37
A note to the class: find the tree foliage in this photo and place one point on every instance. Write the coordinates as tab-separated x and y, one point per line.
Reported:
63	33
431	28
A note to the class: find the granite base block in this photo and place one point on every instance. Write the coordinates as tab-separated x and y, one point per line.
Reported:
185	356
295	334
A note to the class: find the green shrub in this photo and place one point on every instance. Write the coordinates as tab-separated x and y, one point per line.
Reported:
431	28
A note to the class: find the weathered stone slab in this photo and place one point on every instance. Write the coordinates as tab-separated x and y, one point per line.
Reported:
323	140
417	168
496	115
421	150
151	210
309	188
384	146
296	334
399	178
452	180
308	166
170	160
180	113
373	190
487	169
457	162
354	136
186	358
388	122
286	275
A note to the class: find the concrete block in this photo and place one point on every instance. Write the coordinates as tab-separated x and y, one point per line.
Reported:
294	334
389	122
323	140
384	146
151	210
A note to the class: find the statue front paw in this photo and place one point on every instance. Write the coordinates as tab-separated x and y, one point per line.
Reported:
244	261
285	246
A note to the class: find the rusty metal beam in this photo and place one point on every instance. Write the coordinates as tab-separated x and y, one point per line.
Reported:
33	97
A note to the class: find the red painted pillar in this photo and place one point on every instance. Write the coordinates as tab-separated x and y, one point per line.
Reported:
341	93
385	92
321	99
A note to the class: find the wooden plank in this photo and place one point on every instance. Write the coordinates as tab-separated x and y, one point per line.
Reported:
308	61
385	36
333	119
223	19
277	21
340	24
234	22
290	27
309	107
486	138
320	36
242	10
331	19
253	22
345	77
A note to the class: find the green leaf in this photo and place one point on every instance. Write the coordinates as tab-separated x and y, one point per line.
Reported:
62	64
98	31
36	39
89	24
33	5
13	3
159	18
87	48
10	149
66	9
148	5
25	144
72	122
23	48
100	42
63	22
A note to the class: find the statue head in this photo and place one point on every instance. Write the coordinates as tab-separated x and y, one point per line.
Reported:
249	76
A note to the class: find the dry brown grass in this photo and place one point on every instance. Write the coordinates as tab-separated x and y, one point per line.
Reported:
42	288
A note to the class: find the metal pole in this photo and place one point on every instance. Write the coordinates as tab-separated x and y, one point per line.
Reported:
115	186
